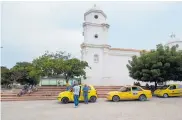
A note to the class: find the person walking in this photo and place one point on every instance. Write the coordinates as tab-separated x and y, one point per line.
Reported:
76	90
85	93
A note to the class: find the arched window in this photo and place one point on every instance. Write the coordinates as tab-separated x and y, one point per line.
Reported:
96	58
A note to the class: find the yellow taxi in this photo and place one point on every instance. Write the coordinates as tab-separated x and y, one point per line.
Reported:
169	91
67	96
129	93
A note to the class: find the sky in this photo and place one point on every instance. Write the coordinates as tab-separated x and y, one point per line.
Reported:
28	29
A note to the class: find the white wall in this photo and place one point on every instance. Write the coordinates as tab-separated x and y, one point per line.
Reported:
90	18
89	35
95	73
111	69
116	70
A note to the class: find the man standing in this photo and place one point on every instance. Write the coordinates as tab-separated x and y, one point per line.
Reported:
85	93
76	90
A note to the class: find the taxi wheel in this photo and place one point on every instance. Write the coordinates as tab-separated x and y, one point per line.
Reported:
115	98
93	99
142	98
165	95
65	100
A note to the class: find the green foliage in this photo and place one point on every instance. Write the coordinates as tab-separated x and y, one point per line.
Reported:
5	76
49	64
57	55
44	65
160	65
52	64
25	73
74	68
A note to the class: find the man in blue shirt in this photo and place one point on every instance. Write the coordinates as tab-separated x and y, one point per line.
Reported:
85	93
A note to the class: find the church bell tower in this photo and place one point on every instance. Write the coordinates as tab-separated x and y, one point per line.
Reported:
94	47
95	28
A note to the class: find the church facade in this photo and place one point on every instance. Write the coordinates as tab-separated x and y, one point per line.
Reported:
108	65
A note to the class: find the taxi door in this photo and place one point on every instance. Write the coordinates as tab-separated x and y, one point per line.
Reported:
179	90
136	92
81	98
173	90
126	95
71	95
90	92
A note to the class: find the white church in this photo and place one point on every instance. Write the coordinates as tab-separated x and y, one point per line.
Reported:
108	65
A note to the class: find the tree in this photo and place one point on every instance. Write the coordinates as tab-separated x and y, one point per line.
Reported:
5	76
25	72
51	64
44	64
74	68
160	65
60	63
58	55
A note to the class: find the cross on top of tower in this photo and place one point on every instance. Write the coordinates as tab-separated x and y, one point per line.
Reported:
95	7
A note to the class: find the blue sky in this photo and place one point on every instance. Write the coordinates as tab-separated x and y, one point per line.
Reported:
30	28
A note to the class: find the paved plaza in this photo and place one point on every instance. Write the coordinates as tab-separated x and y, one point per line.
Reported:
155	109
